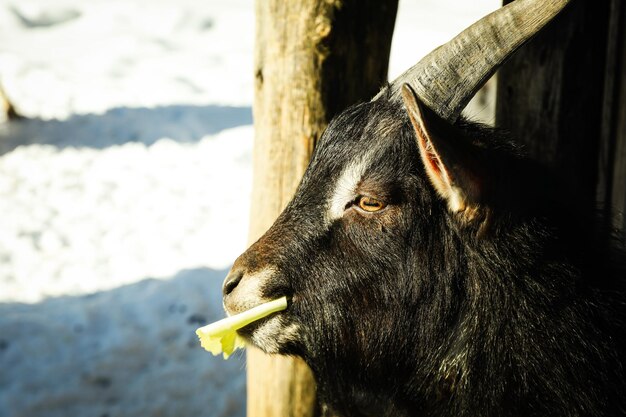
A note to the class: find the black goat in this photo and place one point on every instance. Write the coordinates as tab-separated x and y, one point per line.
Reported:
432	269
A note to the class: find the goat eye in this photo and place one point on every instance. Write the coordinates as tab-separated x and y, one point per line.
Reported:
370	204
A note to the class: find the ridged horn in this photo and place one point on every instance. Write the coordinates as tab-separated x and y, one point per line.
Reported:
448	77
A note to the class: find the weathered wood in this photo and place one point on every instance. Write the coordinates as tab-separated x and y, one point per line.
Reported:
313	59
6	107
612	156
550	95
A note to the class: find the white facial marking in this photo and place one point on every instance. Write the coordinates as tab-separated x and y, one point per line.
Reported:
352	174
345	188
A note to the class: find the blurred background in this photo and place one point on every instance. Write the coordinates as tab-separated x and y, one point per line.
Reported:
124	195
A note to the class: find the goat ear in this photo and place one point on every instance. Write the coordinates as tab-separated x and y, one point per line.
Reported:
452	162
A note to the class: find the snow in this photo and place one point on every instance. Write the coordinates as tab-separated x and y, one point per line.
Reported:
115	53
125	196
80	220
130	351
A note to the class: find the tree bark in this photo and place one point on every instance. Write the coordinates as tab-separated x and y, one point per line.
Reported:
551	92
313	59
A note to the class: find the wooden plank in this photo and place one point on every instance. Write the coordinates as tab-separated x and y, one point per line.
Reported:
550	96
612	155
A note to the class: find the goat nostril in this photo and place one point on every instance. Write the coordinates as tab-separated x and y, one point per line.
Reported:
231	281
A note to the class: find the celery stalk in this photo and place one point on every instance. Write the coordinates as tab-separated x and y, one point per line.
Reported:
222	337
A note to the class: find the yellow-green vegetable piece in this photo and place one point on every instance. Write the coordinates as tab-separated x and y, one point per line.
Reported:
222	337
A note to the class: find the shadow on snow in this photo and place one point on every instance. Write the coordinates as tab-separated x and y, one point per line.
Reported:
128	351
182	123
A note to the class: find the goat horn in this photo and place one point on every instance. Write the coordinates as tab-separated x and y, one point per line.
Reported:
448	77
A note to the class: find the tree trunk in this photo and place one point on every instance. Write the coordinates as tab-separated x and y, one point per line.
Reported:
313	59
550	95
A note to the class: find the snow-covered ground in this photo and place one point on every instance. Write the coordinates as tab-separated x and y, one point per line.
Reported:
125	197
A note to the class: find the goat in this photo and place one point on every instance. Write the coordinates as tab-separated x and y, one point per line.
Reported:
433	269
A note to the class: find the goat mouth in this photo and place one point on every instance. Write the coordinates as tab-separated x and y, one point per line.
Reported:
269	330
257	332
253	313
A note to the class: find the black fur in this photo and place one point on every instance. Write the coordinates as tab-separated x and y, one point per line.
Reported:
412	312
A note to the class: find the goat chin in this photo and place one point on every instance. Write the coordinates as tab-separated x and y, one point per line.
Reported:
272	335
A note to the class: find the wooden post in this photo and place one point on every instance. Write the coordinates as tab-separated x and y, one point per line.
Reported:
7	108
551	95
313	59
612	158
